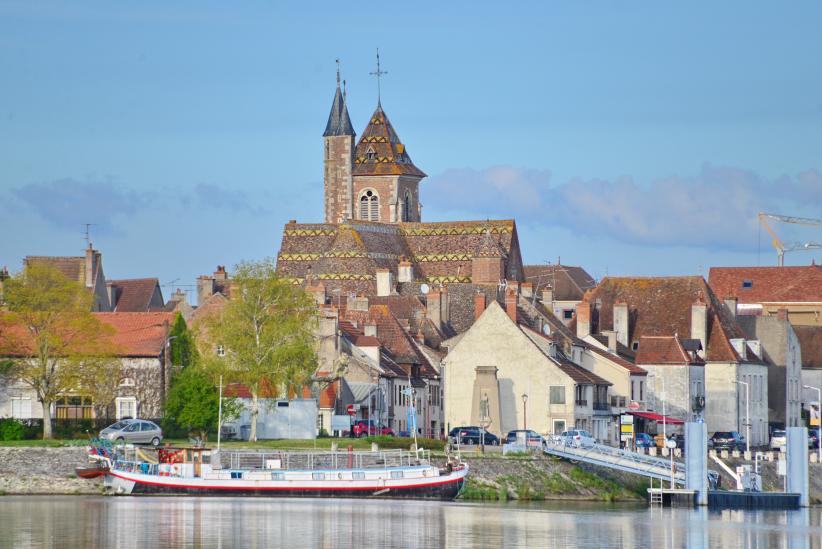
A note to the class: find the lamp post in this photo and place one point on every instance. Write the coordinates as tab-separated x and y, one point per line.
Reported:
818	419
524	411
747	414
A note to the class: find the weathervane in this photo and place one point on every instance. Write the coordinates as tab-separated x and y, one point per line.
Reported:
378	73
338	71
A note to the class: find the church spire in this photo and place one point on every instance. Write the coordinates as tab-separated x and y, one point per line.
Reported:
339	122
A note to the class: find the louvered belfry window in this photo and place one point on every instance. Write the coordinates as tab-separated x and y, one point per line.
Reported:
369	206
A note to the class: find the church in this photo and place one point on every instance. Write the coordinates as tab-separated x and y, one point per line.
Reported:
373	226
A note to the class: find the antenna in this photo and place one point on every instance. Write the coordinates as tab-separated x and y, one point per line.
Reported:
88	232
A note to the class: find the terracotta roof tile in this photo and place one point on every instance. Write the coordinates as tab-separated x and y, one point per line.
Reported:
768	284
663	350
138	334
569	283
380	151
135	295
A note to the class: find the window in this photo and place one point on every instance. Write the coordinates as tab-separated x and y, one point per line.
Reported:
406	207
126	407
74	407
369	206
358	475
580	396
557	394
396	474
327	151
318	476
559	426
21	407
747	283
568	314
370	154
220	350
635	345
641	390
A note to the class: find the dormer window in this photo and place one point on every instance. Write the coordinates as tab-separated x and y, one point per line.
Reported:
370	154
747	283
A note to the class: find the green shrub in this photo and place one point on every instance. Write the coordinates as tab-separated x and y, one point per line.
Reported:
11	429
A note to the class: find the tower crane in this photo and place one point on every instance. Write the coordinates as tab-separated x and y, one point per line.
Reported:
780	246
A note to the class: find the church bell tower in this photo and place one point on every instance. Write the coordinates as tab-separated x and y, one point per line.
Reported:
338	154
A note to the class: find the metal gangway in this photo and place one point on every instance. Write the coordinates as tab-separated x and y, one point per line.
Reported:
616	458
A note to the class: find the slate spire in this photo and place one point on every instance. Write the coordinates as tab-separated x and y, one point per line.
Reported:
338	121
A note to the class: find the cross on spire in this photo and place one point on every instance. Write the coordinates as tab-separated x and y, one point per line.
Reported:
378	73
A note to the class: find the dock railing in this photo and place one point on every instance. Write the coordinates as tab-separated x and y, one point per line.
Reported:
311	460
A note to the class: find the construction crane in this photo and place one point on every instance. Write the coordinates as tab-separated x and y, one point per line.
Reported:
780	246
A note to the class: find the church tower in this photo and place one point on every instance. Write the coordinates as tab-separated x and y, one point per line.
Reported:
386	181
339	155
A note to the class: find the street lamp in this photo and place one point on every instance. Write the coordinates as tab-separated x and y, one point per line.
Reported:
524	411
818	418
747	414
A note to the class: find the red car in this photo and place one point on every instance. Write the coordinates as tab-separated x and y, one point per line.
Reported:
364	428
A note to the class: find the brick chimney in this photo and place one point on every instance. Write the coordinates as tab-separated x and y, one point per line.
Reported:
404	271
621	322
527	290
220	273
699	324
91	260
434	307
548	297
479	304
583	319
731	303
318	292
612	339
511	304
358	303
384	282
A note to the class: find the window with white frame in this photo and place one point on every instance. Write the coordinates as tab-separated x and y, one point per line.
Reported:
220	350
559	426
126	407
21	407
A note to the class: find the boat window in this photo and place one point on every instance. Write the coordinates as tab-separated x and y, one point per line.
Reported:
358	475
396	474
277	476
318	476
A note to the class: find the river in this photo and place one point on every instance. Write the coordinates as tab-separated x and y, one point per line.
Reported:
148	522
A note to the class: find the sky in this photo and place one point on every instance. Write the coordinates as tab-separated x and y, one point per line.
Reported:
630	138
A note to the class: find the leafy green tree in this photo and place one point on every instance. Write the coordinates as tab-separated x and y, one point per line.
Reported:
51	341
183	348
193	402
265	332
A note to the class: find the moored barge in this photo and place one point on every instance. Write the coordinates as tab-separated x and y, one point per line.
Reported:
200	471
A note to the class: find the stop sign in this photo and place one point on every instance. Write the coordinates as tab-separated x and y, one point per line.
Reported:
350	409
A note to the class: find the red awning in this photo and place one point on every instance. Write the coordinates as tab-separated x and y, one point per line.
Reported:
657	417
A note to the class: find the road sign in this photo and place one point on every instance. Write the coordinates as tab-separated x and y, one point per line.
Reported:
351	411
633	406
626	419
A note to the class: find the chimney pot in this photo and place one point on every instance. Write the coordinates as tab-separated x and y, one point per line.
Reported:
511	304
479	304
583	319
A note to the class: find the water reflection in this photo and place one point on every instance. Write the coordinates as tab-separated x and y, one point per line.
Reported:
260	523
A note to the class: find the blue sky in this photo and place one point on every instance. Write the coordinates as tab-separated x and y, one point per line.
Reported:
630	138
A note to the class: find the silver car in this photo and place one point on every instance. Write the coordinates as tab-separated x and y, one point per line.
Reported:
135	431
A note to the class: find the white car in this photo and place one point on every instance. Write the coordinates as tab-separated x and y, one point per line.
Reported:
778	439
578	438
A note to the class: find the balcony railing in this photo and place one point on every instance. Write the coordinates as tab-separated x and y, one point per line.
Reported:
602	406
582	402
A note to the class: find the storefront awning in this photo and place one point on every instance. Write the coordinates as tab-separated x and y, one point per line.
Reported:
657	417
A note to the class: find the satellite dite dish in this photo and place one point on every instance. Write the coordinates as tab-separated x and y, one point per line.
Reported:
424	289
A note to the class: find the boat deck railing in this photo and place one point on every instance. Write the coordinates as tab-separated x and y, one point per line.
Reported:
310	460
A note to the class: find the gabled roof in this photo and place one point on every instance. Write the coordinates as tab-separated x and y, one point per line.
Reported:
768	284
661	306
346	256
568	282
138	334
577	373
664	350
380	151
214	304
73	268
338	121
135	295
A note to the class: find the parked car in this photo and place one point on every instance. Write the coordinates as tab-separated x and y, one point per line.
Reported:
369	428
532	438
472	435
813	439
779	439
579	438
728	440
644	440
137	431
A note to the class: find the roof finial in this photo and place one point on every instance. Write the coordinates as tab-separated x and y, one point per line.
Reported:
338	71
378	73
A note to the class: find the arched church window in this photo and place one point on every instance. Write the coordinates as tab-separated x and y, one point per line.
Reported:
369	206
370	154
406	207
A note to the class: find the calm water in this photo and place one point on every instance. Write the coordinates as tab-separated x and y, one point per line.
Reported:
143	522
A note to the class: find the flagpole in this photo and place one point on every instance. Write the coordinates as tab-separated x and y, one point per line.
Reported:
220	414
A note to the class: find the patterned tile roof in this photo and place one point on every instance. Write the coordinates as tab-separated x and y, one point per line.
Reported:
661	306
346	256
768	284
380	151
664	350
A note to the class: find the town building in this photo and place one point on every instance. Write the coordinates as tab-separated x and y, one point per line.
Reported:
86	269
560	287
685	307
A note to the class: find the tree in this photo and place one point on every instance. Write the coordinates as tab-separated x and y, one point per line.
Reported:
183	350
265	333
52	342
193	402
